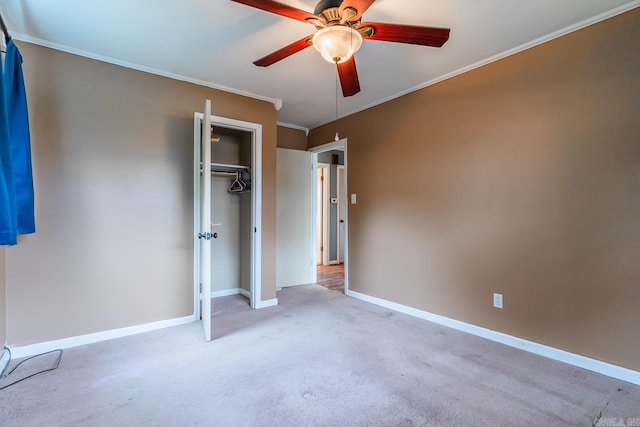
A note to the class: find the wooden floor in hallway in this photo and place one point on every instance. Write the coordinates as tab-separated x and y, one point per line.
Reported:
331	276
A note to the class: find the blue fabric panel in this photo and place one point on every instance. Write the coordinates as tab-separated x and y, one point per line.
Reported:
8	227
18	118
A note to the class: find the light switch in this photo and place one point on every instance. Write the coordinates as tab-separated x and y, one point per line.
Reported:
353	198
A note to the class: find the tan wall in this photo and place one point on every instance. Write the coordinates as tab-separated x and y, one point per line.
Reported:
3	298
521	178
293	139
113	160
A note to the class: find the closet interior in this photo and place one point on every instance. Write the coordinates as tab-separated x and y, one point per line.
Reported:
231	201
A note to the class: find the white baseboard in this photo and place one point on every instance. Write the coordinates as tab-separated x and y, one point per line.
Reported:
4	360
33	349
19	352
594	365
227	292
232	291
268	303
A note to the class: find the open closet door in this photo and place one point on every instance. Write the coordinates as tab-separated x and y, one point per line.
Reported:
205	222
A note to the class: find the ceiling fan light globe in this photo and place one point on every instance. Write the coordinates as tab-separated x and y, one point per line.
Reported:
337	43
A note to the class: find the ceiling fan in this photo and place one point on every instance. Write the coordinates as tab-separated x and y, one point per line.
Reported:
340	32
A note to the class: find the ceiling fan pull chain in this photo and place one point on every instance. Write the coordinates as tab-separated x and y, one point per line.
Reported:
337	138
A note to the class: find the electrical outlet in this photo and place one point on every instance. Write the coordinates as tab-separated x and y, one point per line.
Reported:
497	300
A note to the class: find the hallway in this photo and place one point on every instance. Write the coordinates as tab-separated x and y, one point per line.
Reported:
331	277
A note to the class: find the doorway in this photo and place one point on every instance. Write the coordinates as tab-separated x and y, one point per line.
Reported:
207	175
331	215
231	207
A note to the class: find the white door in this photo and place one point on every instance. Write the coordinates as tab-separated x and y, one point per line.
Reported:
294	238
205	222
342	212
318	216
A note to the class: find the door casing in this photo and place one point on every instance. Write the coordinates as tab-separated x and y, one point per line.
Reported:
341	144
322	239
342	210
255	129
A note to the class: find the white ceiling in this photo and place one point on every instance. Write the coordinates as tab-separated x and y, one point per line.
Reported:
214	42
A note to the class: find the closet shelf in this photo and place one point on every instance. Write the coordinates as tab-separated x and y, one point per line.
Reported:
224	167
228	168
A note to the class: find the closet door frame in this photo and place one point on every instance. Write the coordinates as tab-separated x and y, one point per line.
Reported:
255	129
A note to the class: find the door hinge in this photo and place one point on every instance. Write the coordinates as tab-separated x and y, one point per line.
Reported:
321	248
205	236
321	178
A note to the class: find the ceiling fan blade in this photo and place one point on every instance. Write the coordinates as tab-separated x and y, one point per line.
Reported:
279	9
349	77
360	6
284	52
425	36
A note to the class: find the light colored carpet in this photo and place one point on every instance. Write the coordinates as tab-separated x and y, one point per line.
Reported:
317	359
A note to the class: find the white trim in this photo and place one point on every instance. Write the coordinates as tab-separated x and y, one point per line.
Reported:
131	65
296	127
341	204
256	206
33	349
533	43
314	218
268	303
232	291
278	102
256	217
326	189
334	145
197	119
598	366
5	358
346	218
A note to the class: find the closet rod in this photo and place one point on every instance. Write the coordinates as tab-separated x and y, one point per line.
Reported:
227	166
223	173
7	36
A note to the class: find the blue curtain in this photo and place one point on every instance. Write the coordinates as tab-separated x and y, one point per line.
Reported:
18	117
16	182
8	217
